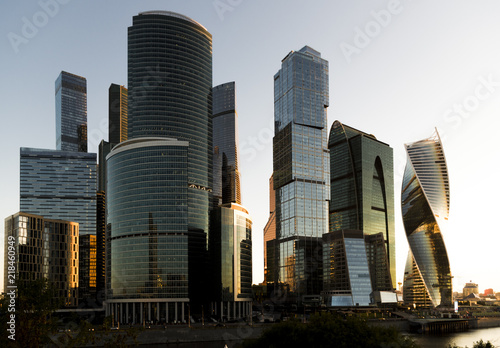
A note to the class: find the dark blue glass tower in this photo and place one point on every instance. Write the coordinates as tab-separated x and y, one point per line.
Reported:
226	187
170	95
71	112
159	181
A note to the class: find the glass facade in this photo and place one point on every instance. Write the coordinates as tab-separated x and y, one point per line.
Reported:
118	114
362	193
71	112
170	95
101	246
147	218
59	185
346	273
425	202
147	227
226	186
231	256
44	248
270	234
301	169
88	266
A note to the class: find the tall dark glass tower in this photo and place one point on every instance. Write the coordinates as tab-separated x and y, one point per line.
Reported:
362	196
118	114
170	95
226	187
425	204
147	264
300	161
168	161
71	112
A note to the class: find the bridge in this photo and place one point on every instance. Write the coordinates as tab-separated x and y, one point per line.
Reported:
433	326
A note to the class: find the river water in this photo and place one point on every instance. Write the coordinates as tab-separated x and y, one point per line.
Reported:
461	339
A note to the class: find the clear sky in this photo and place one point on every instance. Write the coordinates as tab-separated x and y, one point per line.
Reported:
397	70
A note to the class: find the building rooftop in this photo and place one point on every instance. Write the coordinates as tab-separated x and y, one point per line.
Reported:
172	14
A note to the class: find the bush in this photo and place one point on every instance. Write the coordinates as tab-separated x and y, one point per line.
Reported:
329	330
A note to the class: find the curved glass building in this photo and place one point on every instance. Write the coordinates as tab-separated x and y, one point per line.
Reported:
170	94
159	182
362	197
425	202
147	217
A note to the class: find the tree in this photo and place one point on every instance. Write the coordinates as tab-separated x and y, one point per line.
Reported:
34	305
478	344
329	330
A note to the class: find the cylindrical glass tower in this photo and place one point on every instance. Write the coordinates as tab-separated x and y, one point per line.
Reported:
170	83
147	261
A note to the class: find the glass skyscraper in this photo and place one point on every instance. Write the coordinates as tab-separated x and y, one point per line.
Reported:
231	260
226	186
147	230
59	185
425	201
270	235
118	114
301	170
346	274
71	112
362	196
170	95
170	145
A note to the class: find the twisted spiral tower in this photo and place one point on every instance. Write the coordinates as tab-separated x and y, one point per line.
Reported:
425	202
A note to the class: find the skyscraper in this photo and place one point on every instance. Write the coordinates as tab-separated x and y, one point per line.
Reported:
147	209
230	238
301	166
71	112
346	271
117	132
270	235
231	258
362	196
226	187
159	181
43	249
170	95
118	114
59	185
425	200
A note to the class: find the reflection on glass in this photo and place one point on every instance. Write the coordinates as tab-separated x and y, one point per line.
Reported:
425	200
